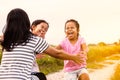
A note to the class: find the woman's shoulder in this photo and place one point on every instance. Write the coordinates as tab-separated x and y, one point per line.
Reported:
35	38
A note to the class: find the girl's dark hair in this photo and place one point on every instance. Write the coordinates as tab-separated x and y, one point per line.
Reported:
36	22
76	23
17	29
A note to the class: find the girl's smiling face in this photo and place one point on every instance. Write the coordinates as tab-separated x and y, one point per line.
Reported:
71	30
40	29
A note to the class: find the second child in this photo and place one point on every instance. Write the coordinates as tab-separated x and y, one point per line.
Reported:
39	28
74	43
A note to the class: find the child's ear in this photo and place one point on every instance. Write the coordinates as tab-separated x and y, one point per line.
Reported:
33	27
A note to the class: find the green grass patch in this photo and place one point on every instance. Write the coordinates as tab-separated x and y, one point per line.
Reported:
49	64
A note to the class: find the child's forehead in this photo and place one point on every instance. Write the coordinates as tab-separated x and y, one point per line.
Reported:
69	24
43	24
72	24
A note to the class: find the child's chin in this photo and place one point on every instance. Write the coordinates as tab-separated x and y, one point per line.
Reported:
70	38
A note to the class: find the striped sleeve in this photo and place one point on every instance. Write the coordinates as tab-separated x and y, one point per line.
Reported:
41	45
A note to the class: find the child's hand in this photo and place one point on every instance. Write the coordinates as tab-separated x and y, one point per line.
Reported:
78	58
38	56
84	53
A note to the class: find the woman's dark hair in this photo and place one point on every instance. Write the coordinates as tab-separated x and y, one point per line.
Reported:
36	22
17	29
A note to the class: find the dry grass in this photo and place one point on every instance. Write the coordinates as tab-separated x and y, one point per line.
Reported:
116	75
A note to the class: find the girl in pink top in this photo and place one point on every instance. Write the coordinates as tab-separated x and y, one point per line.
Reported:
73	43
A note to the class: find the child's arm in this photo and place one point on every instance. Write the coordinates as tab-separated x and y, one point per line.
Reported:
38	56
84	49
43	55
58	47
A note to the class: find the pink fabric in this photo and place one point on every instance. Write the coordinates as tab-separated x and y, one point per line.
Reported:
70	65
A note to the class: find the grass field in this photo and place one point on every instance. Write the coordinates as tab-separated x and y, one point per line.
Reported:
97	53
116	75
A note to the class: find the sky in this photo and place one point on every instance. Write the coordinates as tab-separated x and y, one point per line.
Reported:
99	19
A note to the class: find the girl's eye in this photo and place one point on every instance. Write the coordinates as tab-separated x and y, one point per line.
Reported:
72	27
46	30
69	28
42	26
